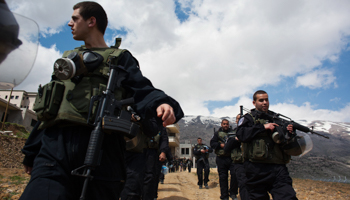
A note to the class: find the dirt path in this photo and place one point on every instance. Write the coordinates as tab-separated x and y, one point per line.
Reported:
183	186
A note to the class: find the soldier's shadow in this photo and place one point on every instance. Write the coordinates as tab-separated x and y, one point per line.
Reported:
169	190
174	198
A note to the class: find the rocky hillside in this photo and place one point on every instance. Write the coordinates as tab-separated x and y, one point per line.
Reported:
10	151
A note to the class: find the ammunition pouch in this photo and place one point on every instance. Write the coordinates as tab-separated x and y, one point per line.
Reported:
237	156
259	150
221	152
48	100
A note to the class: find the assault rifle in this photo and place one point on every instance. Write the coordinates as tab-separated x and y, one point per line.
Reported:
110	117
281	131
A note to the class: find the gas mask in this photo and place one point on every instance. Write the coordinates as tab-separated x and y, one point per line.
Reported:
76	64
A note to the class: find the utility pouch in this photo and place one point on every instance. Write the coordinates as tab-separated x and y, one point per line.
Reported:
236	155
137	143
259	150
221	152
48	100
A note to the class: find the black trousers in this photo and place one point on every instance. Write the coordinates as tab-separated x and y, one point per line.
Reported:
203	164
159	177
241	179
63	150
224	165
150	180
273	178
135	166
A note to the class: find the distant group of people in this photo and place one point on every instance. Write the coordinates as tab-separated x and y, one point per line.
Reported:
248	154
180	164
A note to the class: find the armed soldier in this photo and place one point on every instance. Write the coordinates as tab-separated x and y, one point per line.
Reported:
58	148
265	161
234	146
201	152
224	162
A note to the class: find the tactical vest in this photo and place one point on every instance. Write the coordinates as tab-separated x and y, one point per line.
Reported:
262	148
200	147
64	102
220	151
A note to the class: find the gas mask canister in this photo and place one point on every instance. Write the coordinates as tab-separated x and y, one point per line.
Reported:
76	64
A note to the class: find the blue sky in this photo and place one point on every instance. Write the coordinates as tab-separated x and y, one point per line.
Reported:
212	56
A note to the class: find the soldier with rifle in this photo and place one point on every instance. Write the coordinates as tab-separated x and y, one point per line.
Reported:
265	156
201	152
224	162
77	151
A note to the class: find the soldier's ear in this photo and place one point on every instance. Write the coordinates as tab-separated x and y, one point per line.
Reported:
92	21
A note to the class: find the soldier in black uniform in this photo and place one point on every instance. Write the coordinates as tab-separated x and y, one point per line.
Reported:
201	152
265	161
189	164
224	162
155	154
60	147
234	146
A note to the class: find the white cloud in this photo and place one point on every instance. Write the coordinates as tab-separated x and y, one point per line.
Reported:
308	112
336	99
225	49
317	79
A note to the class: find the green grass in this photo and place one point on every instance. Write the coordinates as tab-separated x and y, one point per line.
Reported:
22	132
17	180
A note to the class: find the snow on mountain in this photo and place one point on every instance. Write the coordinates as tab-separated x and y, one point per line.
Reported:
188	119
318	126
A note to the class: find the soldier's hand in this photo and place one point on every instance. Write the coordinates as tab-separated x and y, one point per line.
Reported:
270	126
290	128
162	157
27	169
203	151
166	112
133	118
222	145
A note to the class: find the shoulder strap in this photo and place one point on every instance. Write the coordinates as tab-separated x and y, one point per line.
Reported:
252	117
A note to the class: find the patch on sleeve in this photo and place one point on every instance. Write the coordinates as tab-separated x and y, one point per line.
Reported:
241	121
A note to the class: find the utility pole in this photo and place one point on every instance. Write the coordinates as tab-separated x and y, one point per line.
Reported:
7	106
